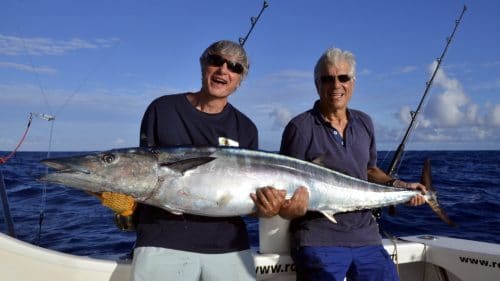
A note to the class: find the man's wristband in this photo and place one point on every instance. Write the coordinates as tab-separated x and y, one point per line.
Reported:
397	183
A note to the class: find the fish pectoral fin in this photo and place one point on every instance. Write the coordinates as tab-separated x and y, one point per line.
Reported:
329	215
172	210
319	160
177	213
187	164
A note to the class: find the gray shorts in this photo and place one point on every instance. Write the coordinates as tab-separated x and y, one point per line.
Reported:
155	264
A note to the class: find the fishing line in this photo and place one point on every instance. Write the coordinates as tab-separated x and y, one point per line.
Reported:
47	117
43	199
393	240
79	86
53	112
87	77
37	77
32	65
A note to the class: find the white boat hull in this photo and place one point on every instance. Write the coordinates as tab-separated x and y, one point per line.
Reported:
417	257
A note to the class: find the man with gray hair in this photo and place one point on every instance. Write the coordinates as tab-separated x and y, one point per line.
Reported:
188	247
344	139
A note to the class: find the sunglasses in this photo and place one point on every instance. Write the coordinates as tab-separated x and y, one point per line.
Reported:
216	60
343	78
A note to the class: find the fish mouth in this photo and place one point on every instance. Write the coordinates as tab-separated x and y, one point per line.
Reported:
65	167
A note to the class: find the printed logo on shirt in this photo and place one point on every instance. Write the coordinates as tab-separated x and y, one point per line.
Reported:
228	142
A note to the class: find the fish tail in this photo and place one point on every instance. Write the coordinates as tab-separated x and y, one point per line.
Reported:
431	197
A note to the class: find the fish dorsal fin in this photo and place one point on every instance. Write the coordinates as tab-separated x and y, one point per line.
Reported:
187	164
329	215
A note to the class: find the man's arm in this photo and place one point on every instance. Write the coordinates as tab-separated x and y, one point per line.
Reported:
375	174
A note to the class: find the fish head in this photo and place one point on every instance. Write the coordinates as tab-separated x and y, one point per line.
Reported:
128	171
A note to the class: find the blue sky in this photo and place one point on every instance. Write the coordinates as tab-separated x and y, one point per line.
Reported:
96	65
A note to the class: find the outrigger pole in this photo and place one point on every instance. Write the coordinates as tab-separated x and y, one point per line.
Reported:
253	21
3	192
6	209
391	171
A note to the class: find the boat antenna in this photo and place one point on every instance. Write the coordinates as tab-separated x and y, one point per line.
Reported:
253	21
391	171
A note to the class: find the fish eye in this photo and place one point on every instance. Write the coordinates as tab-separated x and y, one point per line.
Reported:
108	158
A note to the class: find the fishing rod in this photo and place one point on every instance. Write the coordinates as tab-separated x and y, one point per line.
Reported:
391	171
253	21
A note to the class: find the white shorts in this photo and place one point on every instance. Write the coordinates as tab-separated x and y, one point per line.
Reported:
155	264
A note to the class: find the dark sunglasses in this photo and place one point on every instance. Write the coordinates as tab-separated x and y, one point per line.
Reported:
216	60
343	78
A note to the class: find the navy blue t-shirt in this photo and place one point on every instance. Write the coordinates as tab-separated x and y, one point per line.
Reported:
171	121
308	136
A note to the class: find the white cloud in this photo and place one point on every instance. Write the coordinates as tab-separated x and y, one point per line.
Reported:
448	109
280	117
407	69
494	116
451	116
365	71
492	63
472	114
404	115
27	68
37	46
84	105
294	75
119	142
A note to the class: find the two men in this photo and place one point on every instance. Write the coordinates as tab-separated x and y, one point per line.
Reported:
188	247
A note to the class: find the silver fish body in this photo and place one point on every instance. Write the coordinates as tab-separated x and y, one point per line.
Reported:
217	181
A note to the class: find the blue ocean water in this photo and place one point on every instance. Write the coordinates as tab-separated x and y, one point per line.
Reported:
71	221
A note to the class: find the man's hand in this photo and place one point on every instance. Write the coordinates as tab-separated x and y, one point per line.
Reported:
417	199
268	201
297	205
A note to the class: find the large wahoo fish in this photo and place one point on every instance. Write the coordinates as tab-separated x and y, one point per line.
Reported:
218	181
